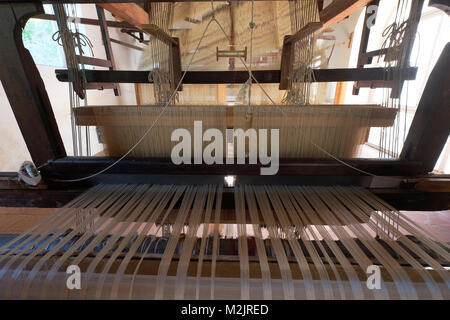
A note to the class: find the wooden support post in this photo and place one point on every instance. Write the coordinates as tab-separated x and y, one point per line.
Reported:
364	43
287	56
414	18
175	58
24	86
107	43
431	126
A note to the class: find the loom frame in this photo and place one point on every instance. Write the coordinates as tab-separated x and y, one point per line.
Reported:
33	111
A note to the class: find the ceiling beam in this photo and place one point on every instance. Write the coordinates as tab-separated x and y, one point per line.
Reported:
338	10
129	12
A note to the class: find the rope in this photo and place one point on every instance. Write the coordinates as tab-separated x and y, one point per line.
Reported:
80	40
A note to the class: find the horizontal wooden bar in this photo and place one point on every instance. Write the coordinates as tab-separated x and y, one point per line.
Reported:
88	21
126	44
310	28
75	167
224	77
94	61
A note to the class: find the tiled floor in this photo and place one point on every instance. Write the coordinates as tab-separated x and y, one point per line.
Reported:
437	222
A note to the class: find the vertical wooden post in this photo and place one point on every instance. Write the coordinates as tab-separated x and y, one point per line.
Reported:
365	35
175	59
24	86
431	125
107	43
287	56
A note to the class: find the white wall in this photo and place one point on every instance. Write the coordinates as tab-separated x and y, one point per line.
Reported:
13	150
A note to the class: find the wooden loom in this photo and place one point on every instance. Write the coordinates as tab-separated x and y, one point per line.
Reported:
340	129
286	240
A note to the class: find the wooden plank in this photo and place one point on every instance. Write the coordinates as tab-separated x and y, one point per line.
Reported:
129	12
434	185
24	86
225	77
338	10
94	61
431	126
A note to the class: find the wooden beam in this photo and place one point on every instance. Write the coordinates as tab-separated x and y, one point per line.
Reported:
129	12
401	199
441	5
87	21
225	77
338	10
287	57
158	33
24	86
175	60
93	61
73	167
431	126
